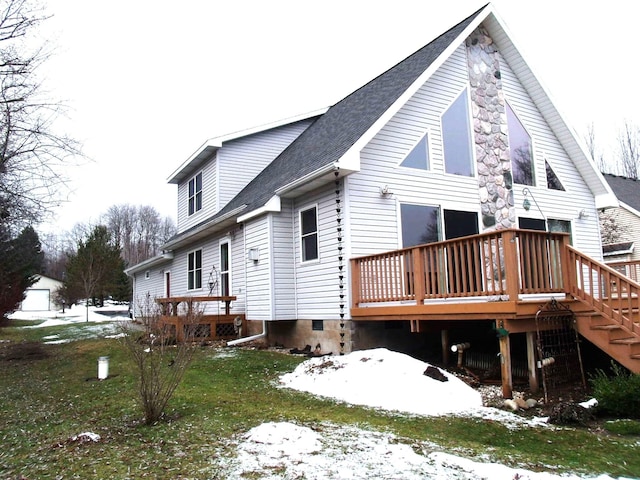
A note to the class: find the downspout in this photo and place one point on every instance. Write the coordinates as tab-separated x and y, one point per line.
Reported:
240	341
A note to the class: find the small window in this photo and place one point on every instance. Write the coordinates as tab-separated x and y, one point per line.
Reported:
553	182
456	138
195	194
419	156
309	234
420	224
194	270
317	325
520	149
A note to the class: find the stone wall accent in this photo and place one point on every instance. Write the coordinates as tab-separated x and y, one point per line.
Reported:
490	132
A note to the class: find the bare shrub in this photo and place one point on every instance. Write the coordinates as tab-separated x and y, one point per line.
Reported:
161	361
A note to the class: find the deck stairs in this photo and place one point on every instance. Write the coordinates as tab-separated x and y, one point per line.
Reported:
612	321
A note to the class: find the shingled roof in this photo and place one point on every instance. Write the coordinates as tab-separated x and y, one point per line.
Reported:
327	139
626	189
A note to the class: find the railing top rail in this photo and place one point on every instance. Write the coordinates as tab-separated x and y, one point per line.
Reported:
228	298
619	263
444	243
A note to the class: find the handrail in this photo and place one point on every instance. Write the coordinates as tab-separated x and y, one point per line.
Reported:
630	268
605	289
502	263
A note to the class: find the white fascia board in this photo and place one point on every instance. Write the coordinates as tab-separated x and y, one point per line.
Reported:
630	209
273	205
211	144
307	178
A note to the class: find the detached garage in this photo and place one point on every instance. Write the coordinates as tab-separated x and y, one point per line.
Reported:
39	296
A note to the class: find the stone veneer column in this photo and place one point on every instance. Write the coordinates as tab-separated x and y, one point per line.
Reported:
490	132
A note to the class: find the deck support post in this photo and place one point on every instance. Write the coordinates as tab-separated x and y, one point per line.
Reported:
534	383
505	366
444	340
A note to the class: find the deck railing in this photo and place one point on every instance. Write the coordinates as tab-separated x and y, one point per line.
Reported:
630	269
605	288
503	263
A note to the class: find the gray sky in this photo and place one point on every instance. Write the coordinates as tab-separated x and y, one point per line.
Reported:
149	81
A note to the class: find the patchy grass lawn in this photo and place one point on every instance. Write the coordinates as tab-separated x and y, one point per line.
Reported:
49	394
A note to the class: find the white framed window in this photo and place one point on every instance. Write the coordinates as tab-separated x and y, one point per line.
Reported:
456	137
520	149
309	233
225	268
194	270
195	194
418	157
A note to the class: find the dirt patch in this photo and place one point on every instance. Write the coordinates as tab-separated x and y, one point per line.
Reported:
25	351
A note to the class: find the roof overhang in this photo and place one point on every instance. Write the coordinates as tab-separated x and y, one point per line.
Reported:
217	224
149	263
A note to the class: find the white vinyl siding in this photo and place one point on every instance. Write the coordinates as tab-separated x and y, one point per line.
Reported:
373	219
232	167
317	288
283	263
209	197
259	294
241	160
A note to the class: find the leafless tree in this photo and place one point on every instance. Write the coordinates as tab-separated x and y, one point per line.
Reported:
593	149
160	360
629	149
32	154
140	231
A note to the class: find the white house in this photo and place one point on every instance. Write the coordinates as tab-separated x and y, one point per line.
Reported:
451	141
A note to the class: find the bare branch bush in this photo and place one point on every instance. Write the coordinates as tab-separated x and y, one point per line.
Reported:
161	360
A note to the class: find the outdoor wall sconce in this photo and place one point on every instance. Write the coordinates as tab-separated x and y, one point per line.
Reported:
583	214
385	192
253	254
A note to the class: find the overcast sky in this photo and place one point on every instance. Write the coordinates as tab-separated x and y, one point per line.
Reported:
148	82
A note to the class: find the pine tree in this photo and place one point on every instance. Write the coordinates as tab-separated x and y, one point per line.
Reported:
21	260
95	271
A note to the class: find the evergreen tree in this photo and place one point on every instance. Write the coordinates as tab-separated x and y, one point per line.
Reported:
21	260
95	270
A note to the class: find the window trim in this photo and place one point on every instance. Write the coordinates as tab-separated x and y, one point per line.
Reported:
192	274
194	199
316	232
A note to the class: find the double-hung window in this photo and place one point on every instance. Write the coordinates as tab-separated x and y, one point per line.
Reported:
195	194
309	234
194	270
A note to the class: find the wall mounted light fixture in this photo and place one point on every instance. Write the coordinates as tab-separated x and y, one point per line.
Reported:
385	192
253	254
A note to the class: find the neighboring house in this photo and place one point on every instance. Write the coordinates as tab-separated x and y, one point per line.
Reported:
449	142
624	220
40	295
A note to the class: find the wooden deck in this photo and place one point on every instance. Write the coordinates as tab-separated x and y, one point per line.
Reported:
503	276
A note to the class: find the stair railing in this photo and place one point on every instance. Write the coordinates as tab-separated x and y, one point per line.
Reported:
604	289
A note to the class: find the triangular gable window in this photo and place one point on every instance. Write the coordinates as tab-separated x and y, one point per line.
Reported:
553	182
520	150
419	156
